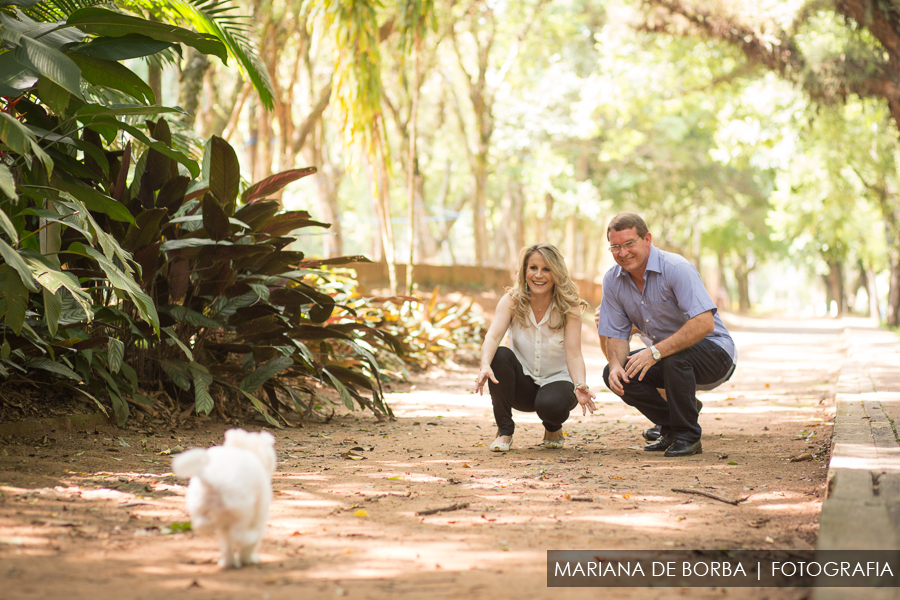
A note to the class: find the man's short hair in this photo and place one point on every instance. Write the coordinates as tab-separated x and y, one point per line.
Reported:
627	220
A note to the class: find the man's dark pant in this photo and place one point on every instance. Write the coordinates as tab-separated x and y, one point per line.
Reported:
516	390
679	374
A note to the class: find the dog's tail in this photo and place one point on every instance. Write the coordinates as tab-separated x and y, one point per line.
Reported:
190	463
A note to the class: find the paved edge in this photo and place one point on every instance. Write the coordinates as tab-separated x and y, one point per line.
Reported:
67	423
861	510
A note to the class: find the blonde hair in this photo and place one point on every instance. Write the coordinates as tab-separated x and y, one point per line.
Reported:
565	293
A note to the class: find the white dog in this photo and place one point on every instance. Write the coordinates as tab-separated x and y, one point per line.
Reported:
230	492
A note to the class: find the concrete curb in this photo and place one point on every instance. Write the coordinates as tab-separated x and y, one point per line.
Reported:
67	423
861	510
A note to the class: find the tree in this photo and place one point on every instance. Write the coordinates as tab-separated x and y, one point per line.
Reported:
832	50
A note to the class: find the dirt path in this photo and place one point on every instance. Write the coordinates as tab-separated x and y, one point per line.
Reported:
84	515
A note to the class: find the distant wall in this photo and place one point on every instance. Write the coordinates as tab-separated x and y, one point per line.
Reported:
375	276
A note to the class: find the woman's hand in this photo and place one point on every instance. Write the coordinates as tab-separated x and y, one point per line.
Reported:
586	399
483	375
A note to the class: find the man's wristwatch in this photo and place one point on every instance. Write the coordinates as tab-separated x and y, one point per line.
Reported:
655	353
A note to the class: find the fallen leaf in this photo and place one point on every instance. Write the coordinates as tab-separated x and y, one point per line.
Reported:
802	457
361	513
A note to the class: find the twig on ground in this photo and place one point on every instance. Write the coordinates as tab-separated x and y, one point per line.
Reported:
431	511
711	495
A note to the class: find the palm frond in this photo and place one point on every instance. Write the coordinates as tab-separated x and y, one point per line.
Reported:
220	18
216	17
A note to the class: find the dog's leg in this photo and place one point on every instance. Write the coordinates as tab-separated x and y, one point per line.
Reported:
228	560
250	553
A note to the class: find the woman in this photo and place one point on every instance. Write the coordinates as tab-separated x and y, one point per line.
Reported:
542	370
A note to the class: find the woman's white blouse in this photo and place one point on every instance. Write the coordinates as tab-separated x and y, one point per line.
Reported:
540	349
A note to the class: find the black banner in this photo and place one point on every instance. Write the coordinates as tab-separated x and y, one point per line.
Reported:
723	568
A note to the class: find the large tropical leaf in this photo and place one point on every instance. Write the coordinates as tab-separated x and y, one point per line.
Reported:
264	372
105	22
273	183
217	18
42	59
132	45
111	74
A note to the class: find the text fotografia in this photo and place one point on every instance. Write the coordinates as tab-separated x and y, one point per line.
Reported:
723	568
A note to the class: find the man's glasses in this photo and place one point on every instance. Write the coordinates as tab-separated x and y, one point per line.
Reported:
627	245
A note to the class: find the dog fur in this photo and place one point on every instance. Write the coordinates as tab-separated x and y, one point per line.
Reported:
230	492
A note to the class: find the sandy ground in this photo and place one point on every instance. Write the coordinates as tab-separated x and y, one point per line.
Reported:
95	513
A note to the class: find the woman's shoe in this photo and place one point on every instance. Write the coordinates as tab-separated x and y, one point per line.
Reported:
554	439
499	446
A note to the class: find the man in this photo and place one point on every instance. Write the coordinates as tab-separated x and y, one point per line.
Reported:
661	294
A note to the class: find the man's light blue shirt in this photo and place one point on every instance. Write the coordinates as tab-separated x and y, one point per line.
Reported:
673	294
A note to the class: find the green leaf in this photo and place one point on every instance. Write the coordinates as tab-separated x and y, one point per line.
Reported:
224	173
260	409
110	74
13	298
178	371
52	366
115	354
52	310
105	22
55	96
132	45
184	314
44	60
120	407
93	199
52	278
121	281
22	141
342	390
9	188
14	77
97	110
188	243
82	391
175	340
215	219
264	372
203	402
15	261
160	147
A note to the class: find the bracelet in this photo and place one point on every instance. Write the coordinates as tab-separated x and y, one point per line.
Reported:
584	385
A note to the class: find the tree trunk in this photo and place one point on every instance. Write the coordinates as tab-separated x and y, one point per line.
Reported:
381	200
835	283
742	277
544	226
893	304
872	292
570	243
191	83
412	167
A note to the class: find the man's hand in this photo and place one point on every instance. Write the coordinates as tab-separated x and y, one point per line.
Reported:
597	317
638	363
586	399
617	375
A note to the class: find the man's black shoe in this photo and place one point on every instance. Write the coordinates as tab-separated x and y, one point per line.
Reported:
651	434
659	445
683	448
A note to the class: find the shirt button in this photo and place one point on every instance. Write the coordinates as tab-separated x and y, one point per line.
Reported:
647	320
